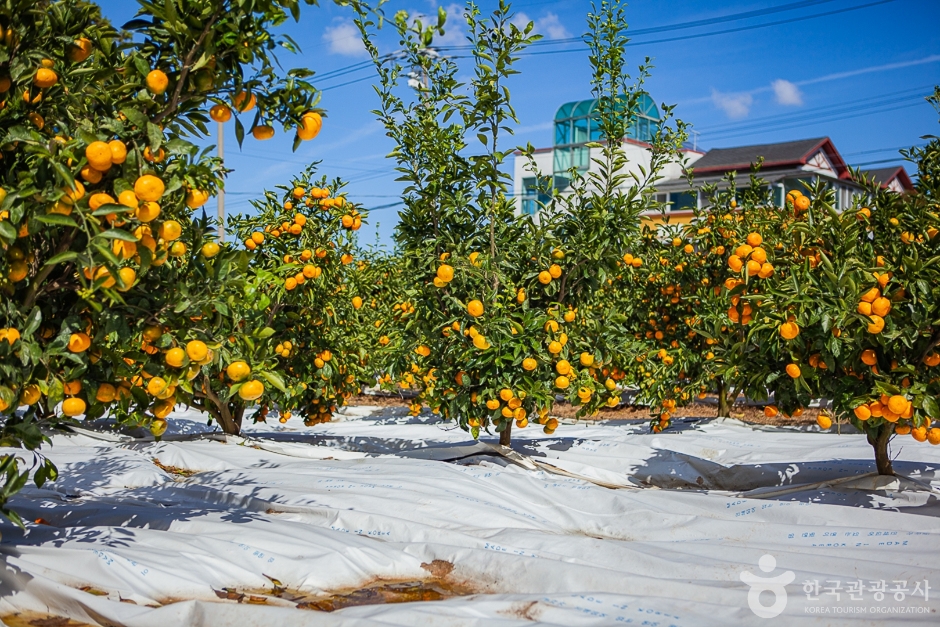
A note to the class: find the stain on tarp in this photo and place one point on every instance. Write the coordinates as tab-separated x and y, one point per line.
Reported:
439	586
33	619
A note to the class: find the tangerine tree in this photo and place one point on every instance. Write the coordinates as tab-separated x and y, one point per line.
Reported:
99	182
504	302
655	303
318	296
849	311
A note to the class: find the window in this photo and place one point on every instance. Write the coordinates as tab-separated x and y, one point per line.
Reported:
595	131
581	157
562	161
683	201
580	128
778	195
576	124
533	197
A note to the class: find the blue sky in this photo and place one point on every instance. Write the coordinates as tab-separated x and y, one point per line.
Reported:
853	70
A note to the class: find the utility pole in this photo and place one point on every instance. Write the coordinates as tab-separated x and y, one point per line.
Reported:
221	143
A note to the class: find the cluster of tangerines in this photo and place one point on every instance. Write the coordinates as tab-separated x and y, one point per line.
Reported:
143	201
749	258
556	368
311	122
752	256
45	75
899	410
307	260
328	392
509	404
875	306
185	362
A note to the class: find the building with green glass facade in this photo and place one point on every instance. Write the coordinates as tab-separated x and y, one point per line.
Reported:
786	165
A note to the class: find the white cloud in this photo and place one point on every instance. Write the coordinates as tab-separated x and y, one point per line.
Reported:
343	38
787	93
735	106
549	26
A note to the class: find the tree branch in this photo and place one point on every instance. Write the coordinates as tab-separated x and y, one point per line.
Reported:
173	105
46	271
223	416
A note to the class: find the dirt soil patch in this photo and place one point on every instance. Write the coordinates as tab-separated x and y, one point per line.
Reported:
173	470
746	413
33	619
376	592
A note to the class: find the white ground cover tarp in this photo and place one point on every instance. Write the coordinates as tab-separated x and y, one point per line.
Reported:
612	526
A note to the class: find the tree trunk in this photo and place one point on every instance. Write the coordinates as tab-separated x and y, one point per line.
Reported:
724	407
505	436
237	417
231	424
879	441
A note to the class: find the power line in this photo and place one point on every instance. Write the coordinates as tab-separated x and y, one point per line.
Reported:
388	206
832	118
350	69
817	113
876	150
854	165
723	32
677	26
355	80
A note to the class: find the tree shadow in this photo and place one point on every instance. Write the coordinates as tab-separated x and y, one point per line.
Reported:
654	464
82	510
13	579
907	501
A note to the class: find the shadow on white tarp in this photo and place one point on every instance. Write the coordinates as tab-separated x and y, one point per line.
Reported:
378	493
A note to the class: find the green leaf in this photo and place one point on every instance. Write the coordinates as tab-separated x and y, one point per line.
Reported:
146	259
117	234
239	131
135	117
931	406
274	379
104	210
154	136
32	323
7	232
56	218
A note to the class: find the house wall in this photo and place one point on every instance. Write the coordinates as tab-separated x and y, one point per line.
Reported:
638	156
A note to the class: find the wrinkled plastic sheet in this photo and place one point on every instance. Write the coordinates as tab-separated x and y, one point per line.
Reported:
380	496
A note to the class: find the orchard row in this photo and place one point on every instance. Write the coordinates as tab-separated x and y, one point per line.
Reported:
119	301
